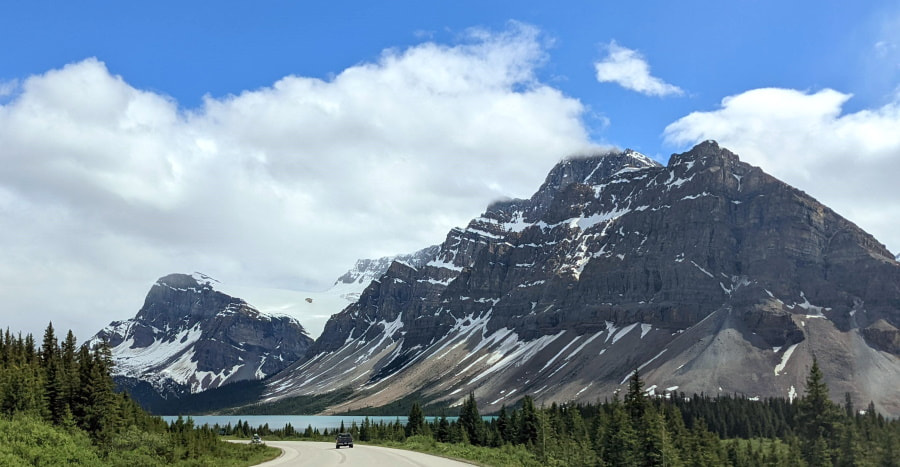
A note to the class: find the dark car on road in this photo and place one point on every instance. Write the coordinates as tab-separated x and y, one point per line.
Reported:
343	439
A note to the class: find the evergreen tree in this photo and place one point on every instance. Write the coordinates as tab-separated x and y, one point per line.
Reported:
365	433
818	419
68	376
618	447
415	424
49	348
442	434
504	427
850	452
96	400
652	439
471	420
635	401
528	422
31	354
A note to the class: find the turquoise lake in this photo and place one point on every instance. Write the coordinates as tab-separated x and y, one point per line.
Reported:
299	422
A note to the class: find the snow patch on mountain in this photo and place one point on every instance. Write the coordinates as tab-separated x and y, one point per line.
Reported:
189	336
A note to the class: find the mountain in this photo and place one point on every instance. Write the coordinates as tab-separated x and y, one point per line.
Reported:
707	275
352	283
189	337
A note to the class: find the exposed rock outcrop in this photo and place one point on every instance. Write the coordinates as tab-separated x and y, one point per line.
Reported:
708	275
189	337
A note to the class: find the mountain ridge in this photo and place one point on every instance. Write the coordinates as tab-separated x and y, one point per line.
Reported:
698	273
189	337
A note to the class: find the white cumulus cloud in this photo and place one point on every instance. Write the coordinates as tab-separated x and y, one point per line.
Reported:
8	87
848	161
106	187
629	69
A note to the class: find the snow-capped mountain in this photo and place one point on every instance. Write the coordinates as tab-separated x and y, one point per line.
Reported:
189	337
313	309
352	283
707	275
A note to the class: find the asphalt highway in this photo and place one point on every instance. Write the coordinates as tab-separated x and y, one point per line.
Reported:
307	453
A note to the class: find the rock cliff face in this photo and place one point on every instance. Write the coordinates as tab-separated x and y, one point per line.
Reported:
189	337
706	275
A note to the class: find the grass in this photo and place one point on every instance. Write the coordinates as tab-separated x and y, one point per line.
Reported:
241	455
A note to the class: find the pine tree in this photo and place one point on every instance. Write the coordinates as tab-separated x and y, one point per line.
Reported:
818	419
635	401
619	443
529	424
49	348
850	452
69	376
415	424
652	439
504	427
96	401
56	390
442	434
365	430
31	354
471	420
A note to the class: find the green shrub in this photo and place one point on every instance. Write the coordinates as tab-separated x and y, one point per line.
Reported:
27	441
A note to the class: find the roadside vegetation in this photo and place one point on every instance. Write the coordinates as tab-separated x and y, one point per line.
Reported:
638	430
58	407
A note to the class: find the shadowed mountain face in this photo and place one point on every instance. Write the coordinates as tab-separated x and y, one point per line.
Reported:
707	275
189	337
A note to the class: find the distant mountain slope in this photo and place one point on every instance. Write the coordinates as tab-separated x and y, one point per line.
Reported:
708	275
189	337
352	283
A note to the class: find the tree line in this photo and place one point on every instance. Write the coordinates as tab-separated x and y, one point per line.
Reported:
58	406
60	390
637	429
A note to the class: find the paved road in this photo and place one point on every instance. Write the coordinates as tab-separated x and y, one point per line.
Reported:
307	453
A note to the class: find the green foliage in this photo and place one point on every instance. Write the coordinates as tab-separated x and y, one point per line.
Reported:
415	424
471	421
25	440
818	420
58	407
618	445
505	456
643	431
528	425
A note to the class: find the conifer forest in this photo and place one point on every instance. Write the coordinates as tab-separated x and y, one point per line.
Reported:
58	406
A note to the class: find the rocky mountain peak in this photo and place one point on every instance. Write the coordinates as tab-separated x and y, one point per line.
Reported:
351	284
365	270
189	336
590	169
178	297
707	274
576	170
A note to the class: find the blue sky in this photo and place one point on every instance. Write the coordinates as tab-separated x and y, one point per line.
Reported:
708	49
272	143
